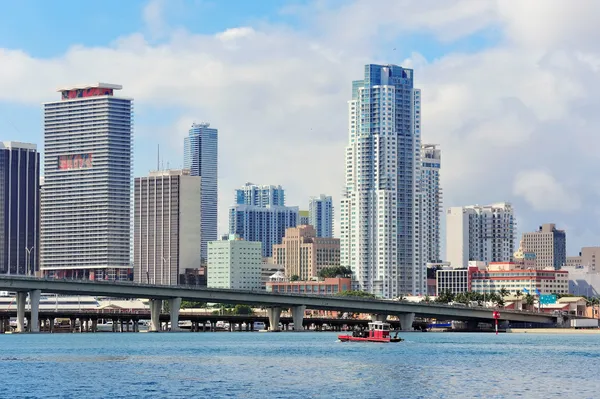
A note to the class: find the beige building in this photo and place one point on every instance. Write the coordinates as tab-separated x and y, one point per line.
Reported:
587	257
303	254
549	245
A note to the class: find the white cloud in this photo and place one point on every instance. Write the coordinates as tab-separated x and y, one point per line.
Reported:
544	193
278	94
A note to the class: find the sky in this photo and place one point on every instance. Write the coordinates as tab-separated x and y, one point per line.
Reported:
510	89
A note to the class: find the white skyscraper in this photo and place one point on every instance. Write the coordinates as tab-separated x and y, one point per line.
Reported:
320	215
200	155
431	202
379	218
482	233
86	201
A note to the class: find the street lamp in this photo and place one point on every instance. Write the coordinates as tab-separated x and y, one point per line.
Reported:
28	261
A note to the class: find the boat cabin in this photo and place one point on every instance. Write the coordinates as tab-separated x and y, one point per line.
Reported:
379	329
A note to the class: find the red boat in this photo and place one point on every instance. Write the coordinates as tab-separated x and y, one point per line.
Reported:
378	331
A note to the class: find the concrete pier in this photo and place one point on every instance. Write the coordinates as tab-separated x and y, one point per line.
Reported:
155	308
406	321
21	300
174	306
298	317
274	314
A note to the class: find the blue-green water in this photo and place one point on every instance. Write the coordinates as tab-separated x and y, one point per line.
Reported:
298	365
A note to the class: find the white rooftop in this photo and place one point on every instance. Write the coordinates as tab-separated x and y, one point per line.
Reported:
17	144
91	86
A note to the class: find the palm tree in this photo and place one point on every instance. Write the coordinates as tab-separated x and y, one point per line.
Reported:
529	300
503	292
518	294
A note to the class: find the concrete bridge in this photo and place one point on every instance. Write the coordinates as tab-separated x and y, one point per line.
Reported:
379	309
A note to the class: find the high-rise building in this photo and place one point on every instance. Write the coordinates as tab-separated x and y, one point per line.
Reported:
167	227
379	222
235	264
19	204
253	194
200	155
86	218
303	254
303	218
321	215
431	202
482	233
549	245
266	225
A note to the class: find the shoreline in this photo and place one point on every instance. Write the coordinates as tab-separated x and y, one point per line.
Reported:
553	331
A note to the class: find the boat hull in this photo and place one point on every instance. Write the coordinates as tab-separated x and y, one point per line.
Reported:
349	338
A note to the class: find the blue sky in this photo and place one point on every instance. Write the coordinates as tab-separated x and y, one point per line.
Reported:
502	81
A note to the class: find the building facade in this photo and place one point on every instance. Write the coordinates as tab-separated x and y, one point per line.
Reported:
20	205
200	157
262	196
303	218
506	275
452	280
263	224
320	215
482	233
431	202
86	202
303	254
167	227
379	221
328	286
549	245
235	264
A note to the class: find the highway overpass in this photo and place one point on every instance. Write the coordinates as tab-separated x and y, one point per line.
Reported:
405	311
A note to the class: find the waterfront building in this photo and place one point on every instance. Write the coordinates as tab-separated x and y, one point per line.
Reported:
167	227
20	207
328	286
86	202
583	280
200	157
482	233
379	218
506	275
262	196
303	254
320	210
431	202
264	224
549	246
235	264
452	280
303	218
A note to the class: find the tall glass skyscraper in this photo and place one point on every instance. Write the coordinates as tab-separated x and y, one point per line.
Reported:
252	194
19	205
321	215
200	156
379	218
86	198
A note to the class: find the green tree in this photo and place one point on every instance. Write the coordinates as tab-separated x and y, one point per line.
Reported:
503	292
529	301
427	299
295	277
243	310
362	294
335	271
445	297
192	305
462	297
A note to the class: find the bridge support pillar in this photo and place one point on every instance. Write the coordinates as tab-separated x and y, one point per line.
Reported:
406	321
274	314
34	300
379	317
21	299
298	317
155	307
174	306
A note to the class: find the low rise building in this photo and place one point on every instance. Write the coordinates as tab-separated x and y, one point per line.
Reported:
583	280
506	275
328	286
235	264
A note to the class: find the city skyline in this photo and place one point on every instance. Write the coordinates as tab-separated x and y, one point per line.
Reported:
532	91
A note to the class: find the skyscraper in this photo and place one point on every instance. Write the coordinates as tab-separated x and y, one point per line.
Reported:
86	218
431	202
253	194
379	221
19	205
200	154
321	215
549	245
167	226
483	233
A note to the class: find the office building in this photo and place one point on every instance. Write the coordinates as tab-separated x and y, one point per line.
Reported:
588	257
452	280
328	286
482	233
262	196
549	245
379	218
431	202
86	202
506	275
19	204
200	156
263	224
235	264
167	227
303	254
583	280
320	211
303	218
